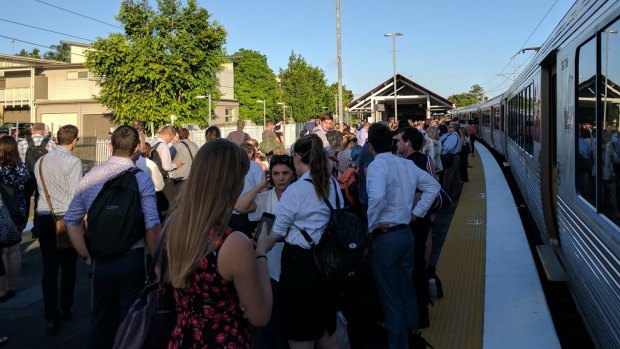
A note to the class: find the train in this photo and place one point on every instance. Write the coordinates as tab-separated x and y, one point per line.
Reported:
557	128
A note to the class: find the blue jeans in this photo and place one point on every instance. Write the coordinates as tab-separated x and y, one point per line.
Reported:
391	262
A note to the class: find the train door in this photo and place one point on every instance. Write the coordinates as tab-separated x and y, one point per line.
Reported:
548	157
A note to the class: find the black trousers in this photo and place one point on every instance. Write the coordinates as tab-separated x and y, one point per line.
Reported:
117	283
55	262
420	229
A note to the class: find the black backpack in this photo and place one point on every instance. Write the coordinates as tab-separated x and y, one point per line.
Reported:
341	255
115	219
157	160
33	153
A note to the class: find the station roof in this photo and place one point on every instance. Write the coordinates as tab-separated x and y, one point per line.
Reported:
409	92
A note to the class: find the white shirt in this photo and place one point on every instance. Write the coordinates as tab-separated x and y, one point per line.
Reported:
253	178
301	208
150	167
164	154
267	202
391	183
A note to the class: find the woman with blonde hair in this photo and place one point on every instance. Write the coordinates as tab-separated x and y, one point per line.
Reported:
308	300
218	276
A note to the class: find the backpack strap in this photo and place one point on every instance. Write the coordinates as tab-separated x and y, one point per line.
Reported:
187	146
30	142
44	142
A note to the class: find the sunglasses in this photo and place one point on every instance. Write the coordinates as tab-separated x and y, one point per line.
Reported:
280	160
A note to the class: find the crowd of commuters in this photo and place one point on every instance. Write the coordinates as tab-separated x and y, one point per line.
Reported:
206	202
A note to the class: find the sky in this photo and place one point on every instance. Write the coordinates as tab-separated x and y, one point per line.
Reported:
447	46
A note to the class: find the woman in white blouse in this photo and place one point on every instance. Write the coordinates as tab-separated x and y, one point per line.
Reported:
308	301
255	202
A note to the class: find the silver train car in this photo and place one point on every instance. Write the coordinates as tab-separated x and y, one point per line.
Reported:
557	125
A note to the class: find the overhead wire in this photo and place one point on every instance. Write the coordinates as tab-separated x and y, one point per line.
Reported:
47	30
35	44
78	14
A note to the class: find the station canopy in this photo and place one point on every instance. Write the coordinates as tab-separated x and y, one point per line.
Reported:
414	101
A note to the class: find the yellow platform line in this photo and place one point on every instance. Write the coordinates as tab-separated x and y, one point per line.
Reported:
457	319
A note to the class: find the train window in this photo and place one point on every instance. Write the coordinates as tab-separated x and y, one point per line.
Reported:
609	119
585	120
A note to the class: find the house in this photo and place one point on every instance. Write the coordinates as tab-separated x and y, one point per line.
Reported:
60	93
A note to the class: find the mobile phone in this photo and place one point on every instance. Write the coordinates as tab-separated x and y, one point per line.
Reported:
265	218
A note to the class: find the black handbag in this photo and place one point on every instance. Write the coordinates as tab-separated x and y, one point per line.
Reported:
9	234
152	317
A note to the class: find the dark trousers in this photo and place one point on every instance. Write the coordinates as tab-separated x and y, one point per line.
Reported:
117	283
165	198
451	180
270	336
55	262
420	229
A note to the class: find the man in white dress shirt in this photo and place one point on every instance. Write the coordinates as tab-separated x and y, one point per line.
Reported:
391	184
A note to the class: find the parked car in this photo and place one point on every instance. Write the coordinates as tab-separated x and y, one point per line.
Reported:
8	128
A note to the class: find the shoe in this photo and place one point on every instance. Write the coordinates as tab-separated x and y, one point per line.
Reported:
7	295
53	327
416	341
3	339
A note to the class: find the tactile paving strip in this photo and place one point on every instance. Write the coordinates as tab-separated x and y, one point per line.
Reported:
457	319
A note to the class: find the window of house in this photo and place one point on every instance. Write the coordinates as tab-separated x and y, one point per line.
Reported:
228	114
77	75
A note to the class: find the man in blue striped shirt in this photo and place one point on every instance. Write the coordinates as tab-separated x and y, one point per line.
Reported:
117	279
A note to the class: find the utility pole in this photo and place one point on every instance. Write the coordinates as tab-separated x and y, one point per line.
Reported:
340	110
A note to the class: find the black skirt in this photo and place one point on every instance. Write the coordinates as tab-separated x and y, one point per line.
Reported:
308	300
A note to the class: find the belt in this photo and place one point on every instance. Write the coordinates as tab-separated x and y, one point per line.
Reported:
376	232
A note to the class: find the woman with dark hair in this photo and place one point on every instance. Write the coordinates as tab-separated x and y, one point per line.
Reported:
212	133
13	177
256	202
219	279
308	301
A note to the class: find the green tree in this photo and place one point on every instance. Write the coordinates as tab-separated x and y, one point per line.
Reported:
254	80
61	52
303	87
473	96
332	91
166	57
35	53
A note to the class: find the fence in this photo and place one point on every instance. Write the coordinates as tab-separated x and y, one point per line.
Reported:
291	133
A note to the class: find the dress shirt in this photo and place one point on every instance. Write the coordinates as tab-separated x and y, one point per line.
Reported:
93	181
62	172
253	178
391	184
22	145
451	143
186	150
164	155
150	167
362	137
301	208
267	202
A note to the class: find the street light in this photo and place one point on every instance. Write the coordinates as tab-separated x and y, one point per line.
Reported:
264	112
208	95
393	36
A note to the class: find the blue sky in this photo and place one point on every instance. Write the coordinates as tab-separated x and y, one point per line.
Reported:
448	45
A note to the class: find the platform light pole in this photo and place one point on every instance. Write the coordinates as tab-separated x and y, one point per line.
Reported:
393	36
264	112
208	95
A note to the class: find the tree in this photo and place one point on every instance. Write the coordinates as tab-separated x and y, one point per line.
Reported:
332	91
35	53
254	80
475	95
303	87
166	57
61	52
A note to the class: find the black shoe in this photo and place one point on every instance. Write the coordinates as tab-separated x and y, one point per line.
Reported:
3	339
416	341
7	295
53	327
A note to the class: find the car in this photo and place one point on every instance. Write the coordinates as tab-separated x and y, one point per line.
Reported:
8	128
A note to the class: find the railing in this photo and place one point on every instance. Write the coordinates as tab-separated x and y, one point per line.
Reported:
15	96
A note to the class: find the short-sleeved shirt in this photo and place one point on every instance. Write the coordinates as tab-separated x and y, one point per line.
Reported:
238	137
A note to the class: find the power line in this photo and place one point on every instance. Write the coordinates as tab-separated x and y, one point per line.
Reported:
78	14
35	44
47	30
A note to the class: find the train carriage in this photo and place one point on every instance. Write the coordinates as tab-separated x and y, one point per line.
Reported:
558	129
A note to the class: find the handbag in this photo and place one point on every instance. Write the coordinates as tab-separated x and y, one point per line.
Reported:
9	234
62	237
152	317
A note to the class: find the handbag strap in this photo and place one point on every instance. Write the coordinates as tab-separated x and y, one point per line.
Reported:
189	150
329	205
47	195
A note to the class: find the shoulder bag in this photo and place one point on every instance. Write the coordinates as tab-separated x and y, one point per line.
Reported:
62	238
9	234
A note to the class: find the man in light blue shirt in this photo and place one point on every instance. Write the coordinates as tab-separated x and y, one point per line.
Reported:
391	184
450	159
